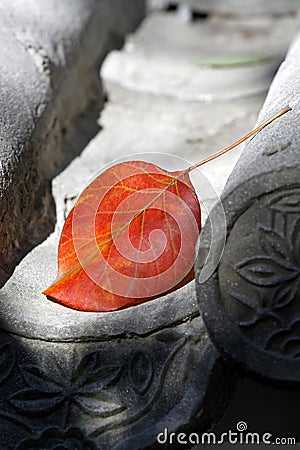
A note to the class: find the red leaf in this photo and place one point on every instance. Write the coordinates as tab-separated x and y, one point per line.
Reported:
130	238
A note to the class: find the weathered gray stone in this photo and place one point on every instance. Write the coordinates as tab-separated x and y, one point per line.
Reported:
51	95
250	304
117	394
108	380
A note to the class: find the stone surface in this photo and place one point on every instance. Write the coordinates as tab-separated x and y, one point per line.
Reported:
120	393
254	292
51	96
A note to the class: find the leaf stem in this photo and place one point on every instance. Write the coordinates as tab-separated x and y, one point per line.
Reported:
244	138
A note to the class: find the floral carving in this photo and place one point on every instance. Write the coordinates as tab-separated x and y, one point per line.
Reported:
279	269
141	371
272	277
286	202
286	340
74	399
141	376
54	438
261	306
86	386
279	265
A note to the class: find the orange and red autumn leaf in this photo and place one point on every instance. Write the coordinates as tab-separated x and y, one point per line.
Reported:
123	206
108	255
